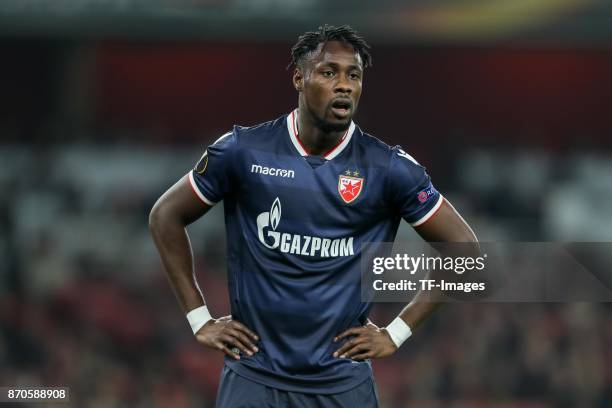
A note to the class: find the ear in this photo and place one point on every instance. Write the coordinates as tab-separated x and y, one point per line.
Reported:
298	79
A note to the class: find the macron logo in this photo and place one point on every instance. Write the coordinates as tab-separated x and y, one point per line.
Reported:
271	171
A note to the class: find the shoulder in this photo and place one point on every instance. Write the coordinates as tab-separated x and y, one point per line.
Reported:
240	137
400	167
252	135
371	147
380	151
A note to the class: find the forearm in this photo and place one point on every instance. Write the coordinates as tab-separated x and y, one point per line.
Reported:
420	308
426	301
174	247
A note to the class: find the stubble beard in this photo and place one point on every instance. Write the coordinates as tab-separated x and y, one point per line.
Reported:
329	127
326	126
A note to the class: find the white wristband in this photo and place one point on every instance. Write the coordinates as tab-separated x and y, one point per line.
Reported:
399	331
198	318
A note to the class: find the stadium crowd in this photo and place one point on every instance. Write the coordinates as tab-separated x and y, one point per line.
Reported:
84	303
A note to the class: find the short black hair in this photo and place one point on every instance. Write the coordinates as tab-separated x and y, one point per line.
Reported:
310	40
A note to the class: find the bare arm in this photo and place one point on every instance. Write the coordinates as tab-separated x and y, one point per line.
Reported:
175	209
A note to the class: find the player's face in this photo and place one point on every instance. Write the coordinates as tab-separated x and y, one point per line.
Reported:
331	85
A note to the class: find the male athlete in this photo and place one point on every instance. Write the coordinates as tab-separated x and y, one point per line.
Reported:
301	194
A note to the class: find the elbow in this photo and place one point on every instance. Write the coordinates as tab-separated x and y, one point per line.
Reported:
155	217
163	216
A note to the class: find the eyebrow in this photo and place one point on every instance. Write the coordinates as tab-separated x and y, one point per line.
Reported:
336	65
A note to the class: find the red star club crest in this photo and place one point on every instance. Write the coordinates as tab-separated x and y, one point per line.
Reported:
349	186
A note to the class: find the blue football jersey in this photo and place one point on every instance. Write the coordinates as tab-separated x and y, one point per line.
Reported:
295	227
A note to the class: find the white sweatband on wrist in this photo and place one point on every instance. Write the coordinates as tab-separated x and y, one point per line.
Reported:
399	331
198	318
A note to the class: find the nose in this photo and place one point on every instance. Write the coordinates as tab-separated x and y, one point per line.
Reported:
343	85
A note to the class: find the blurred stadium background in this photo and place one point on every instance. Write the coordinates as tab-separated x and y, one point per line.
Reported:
105	103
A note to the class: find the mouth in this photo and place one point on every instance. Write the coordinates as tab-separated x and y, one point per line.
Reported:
341	107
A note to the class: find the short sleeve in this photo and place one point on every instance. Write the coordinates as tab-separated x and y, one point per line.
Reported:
410	189
211	178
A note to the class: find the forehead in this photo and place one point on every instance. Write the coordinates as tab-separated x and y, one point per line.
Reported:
337	52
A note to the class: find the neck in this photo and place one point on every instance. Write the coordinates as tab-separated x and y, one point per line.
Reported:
316	141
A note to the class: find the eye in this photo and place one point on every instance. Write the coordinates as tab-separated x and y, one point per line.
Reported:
328	73
355	75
